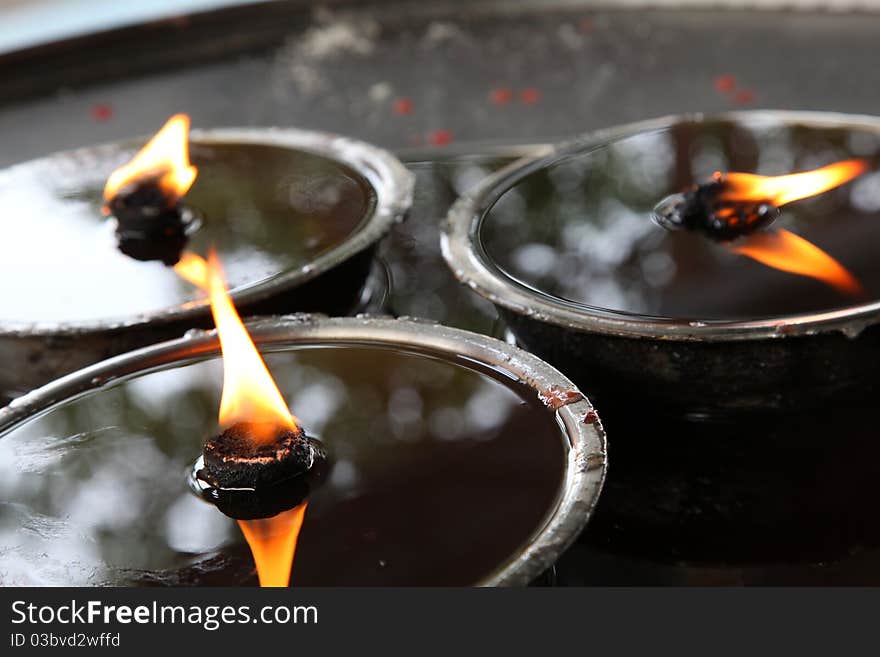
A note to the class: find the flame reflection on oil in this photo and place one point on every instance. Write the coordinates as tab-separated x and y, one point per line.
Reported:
273	544
790	253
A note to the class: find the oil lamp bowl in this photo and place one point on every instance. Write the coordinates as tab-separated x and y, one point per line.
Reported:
276	190
420	487
719	334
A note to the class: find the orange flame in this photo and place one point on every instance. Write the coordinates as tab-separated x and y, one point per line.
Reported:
249	392
273	544
250	395
166	157
786	251
193	268
780	190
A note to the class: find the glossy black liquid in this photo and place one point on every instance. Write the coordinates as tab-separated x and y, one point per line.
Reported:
439	473
581	229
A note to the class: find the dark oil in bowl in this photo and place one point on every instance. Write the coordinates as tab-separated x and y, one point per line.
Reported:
266	209
441	471
580	229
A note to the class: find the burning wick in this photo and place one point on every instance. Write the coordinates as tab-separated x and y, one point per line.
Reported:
735	204
239	458
145	196
260	443
704	208
261	467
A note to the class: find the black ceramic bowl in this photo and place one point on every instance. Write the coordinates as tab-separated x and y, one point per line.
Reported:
565	247
296	217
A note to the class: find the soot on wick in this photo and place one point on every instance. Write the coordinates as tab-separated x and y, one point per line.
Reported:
151	224
704	209
248	480
145	196
234	458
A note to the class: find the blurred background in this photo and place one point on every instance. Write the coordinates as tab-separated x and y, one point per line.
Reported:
417	74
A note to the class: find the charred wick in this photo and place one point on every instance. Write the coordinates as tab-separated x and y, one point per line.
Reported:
700	209
235	459
151	223
246	479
